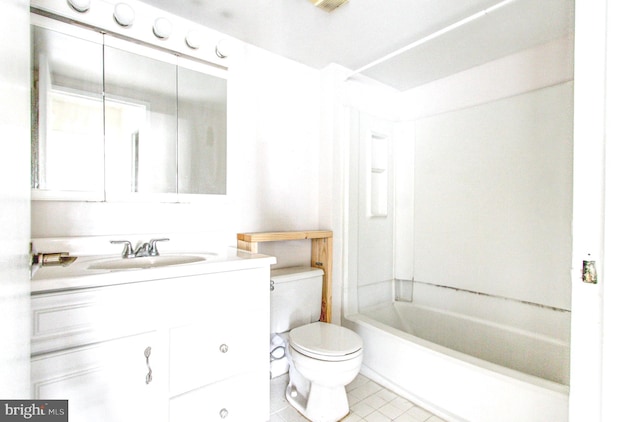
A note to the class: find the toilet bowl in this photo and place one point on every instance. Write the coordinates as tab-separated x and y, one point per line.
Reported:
323	359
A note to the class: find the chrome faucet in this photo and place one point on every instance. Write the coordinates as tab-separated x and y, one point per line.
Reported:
143	250
127	252
153	249
146	249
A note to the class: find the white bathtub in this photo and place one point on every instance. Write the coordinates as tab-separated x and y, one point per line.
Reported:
466	368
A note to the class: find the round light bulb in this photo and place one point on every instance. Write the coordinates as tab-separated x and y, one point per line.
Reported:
80	5
124	14
224	48
193	39
162	28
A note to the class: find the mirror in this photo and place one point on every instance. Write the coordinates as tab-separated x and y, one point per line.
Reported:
140	122
67	129
158	131
202	131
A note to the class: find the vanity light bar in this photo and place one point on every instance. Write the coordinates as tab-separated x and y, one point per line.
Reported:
141	22
124	14
80	5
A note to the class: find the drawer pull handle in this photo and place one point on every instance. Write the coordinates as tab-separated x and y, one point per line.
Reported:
224	413
224	349
147	353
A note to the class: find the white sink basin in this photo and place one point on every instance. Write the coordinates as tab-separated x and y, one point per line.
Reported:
144	262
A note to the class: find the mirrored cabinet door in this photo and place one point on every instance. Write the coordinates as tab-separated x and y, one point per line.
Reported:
140	120
202	130
113	120
67	113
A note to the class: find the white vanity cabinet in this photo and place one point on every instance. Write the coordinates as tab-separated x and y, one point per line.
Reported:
219	348
180	349
105	382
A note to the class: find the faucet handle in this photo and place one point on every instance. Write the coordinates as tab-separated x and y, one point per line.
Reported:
153	250
127	252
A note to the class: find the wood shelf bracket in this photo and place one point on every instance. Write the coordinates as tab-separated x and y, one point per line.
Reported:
321	256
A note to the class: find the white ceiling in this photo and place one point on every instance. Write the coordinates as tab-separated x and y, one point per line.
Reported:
363	31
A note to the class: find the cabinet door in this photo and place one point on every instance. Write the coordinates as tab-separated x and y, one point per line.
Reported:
202	129
240	399
119	380
140	121
67	133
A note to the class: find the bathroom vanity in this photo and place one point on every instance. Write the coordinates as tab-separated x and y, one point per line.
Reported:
173	343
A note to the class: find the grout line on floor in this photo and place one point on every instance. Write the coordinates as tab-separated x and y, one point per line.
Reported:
368	402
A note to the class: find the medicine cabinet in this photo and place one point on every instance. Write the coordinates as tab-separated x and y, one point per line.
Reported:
115	120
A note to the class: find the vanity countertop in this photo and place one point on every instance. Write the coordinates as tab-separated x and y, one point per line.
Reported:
80	275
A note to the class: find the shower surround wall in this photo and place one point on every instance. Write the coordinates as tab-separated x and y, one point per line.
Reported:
483	185
493	198
375	250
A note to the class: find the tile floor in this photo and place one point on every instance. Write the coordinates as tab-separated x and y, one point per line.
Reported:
369	402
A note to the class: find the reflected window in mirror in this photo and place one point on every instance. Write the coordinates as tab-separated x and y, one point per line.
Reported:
141	122
67	119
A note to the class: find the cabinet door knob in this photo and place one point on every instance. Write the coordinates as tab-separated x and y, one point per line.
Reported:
224	349
147	353
223	413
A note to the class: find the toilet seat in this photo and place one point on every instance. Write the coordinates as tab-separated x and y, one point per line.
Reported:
327	342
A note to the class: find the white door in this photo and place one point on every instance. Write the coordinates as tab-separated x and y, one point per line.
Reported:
621	296
14	200
586	299
604	362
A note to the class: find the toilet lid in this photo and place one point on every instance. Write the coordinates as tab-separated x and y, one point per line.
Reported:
324	340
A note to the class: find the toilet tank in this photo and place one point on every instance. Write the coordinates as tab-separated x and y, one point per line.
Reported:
296	297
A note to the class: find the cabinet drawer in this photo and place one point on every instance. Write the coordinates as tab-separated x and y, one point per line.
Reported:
201	354
70	319
219	297
241	399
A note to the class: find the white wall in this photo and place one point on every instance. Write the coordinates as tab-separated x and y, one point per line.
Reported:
273	169
14	204
493	180
544	65
493	197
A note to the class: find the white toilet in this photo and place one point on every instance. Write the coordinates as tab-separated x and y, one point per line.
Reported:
322	358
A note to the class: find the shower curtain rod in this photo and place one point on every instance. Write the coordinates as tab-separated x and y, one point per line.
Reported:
431	36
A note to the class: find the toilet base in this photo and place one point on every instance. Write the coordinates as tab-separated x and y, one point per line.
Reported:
322	403
317	386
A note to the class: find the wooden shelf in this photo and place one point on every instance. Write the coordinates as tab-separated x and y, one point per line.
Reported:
321	255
